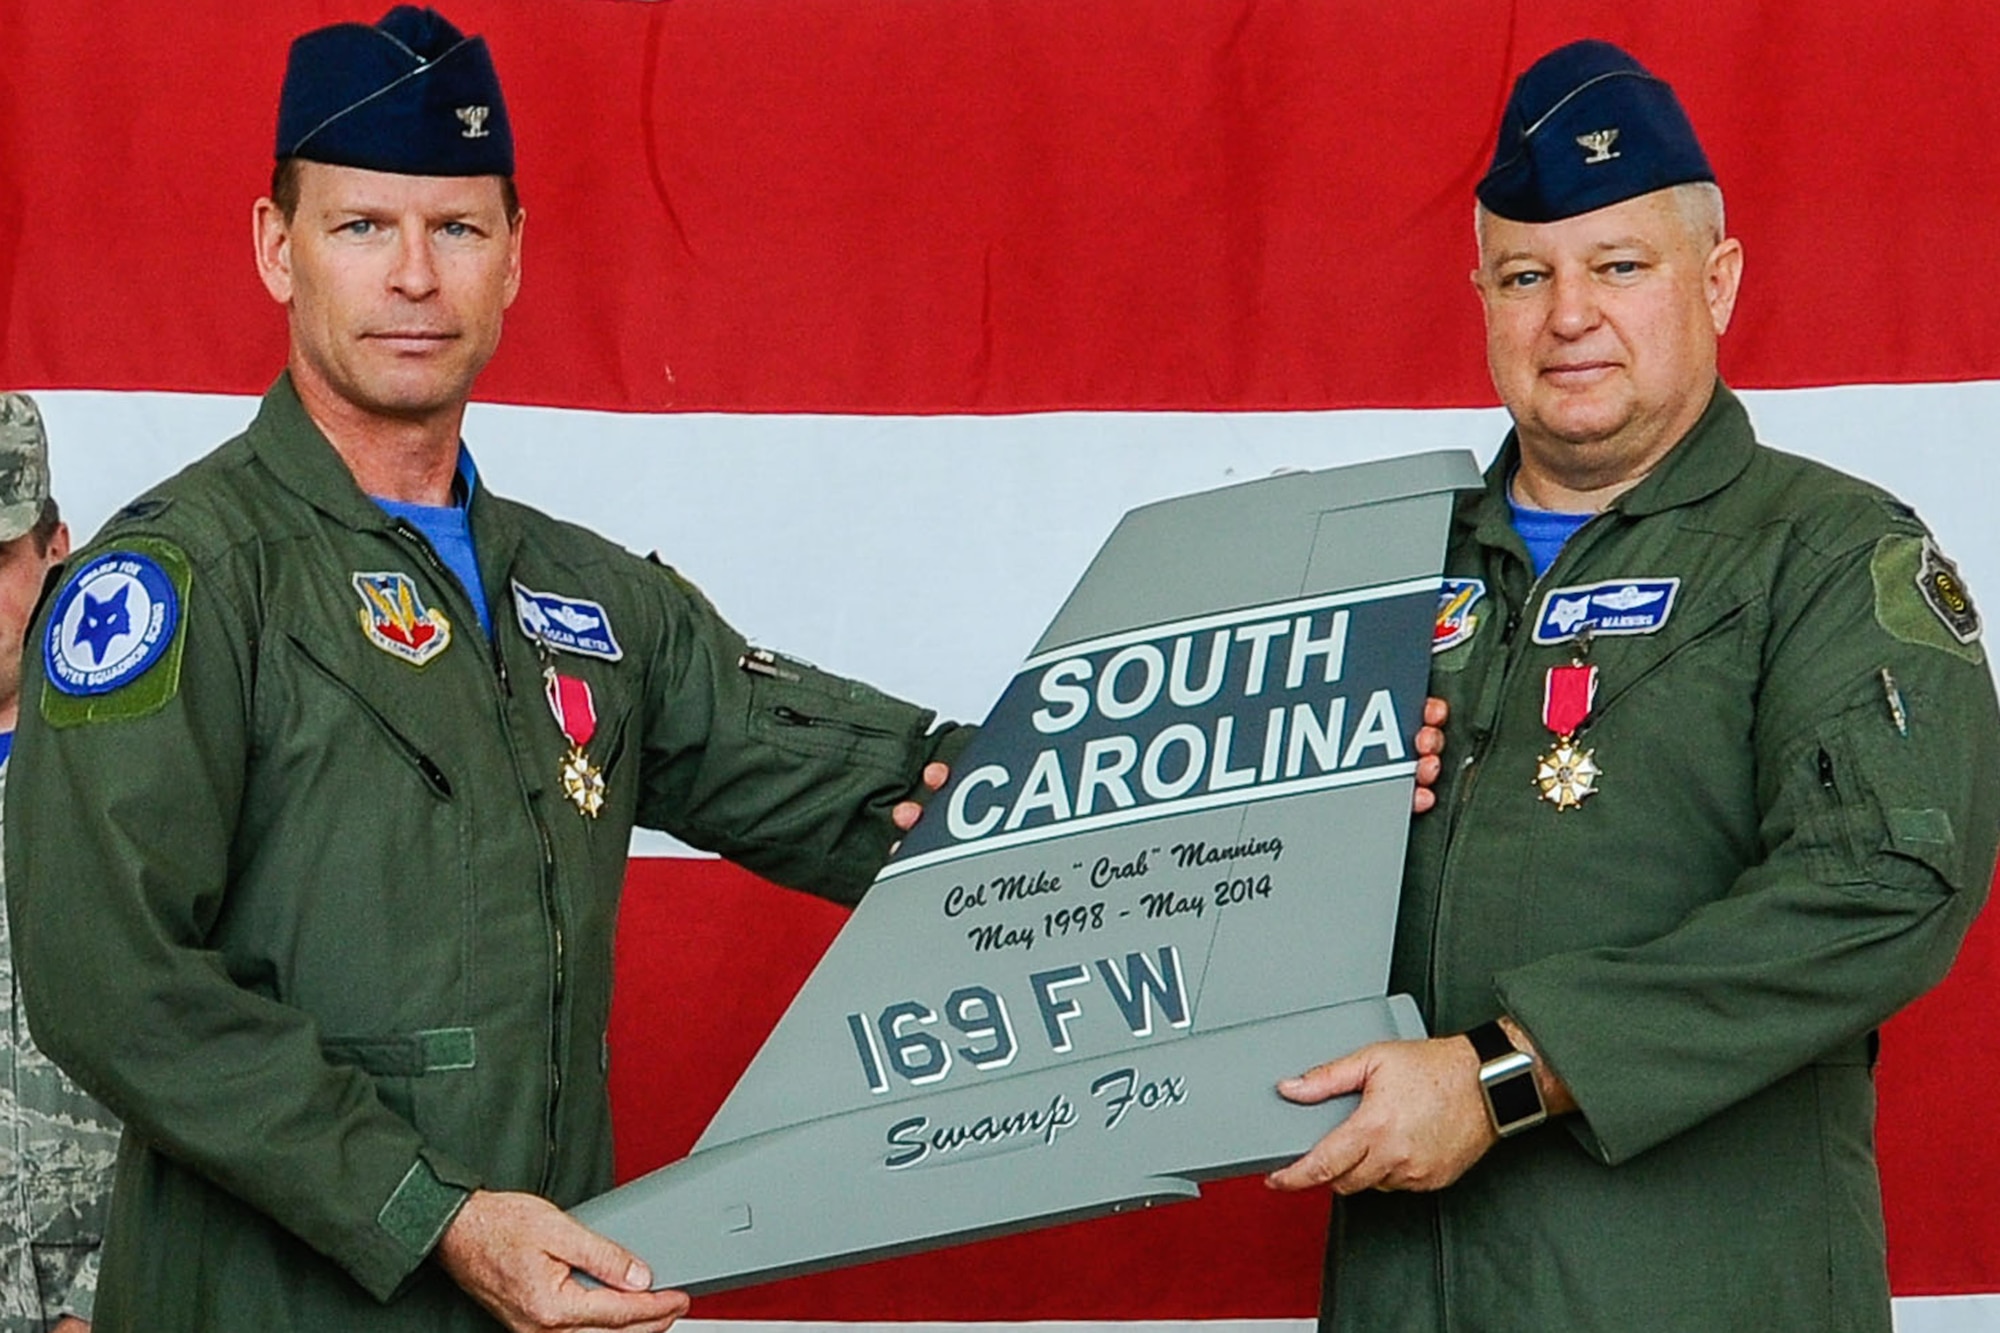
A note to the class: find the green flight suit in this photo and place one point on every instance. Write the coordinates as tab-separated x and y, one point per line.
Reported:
1784	848
309	908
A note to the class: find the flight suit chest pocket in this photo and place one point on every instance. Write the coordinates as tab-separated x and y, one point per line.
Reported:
323	687
1701	655
356	827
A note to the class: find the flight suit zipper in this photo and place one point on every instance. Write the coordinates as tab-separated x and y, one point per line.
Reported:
557	991
792	717
558	974
450	580
1485	739
551	905
1441	1259
1481	737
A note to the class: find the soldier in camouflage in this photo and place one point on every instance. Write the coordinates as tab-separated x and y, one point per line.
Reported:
56	1144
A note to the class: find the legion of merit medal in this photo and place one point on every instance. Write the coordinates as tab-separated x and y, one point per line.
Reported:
576	714
1567	773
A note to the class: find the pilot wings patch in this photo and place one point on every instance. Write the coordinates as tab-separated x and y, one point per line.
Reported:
1615	606
569	624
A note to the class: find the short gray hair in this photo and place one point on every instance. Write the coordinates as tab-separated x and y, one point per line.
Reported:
1698	202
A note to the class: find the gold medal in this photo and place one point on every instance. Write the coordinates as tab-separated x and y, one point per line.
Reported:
576	716
1566	774
582	782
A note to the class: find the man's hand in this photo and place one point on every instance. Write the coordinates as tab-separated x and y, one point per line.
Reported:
513	1254
907	813
1421	1123
69	1323
1430	751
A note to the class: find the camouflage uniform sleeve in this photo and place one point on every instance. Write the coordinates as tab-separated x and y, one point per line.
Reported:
130	797
67	1152
781	767
81	1298
1878	756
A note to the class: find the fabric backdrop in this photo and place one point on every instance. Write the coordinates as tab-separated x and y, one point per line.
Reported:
872	315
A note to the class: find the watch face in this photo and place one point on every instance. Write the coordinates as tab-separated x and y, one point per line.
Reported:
1514	1100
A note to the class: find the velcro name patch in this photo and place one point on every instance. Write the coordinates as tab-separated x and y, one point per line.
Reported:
568	624
1615	606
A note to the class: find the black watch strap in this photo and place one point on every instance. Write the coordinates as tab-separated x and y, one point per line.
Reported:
1507	1079
1490	1041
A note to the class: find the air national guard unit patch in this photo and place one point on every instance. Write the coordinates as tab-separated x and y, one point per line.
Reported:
1945	593
1920	598
1455	621
570	624
395	619
1615	606
112	647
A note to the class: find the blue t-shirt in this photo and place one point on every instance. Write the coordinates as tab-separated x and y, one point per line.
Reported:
6	746
1544	531
448	528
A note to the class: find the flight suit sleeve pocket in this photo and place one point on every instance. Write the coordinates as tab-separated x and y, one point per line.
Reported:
405	1055
395	1063
809	712
1876	797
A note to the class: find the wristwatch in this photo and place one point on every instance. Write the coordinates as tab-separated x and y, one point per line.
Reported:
1507	1078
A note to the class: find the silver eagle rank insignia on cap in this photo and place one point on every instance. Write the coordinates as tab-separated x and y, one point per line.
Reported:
1599	143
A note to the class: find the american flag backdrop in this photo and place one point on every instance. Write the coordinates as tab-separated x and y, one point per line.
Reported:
873	315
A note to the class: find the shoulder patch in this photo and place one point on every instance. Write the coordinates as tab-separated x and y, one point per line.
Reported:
112	645
568	624
1455	621
1920	598
1946	593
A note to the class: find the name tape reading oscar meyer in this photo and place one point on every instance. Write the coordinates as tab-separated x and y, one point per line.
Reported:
1255	704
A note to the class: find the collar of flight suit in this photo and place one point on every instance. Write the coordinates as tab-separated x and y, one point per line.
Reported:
286	441
1712	454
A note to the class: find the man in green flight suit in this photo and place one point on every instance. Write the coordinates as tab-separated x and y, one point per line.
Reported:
1726	794
329	761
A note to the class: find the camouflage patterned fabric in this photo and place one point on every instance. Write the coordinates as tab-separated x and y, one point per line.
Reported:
56	1152
24	464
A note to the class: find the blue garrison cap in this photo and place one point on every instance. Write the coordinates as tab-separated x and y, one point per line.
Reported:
412	95
1586	127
